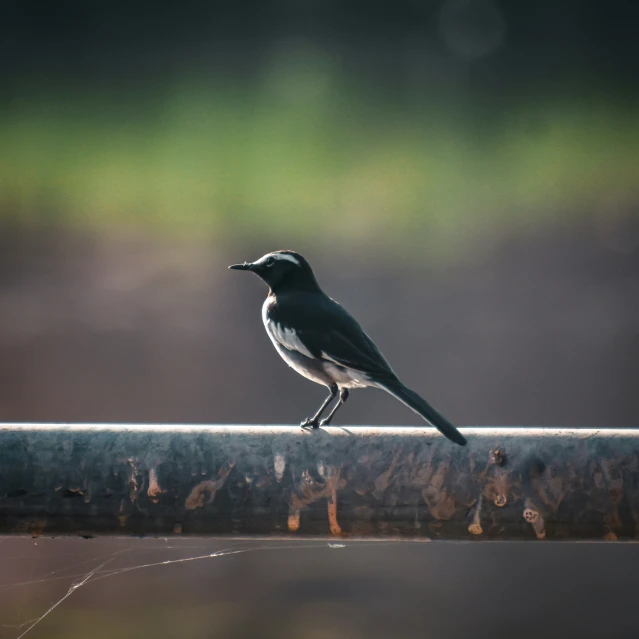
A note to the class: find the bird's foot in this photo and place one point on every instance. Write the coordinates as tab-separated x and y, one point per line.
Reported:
309	422
326	421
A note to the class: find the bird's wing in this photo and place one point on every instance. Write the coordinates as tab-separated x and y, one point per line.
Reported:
321	328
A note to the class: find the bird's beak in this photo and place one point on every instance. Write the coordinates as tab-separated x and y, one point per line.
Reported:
247	266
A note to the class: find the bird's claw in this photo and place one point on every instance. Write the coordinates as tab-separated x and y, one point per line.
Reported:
325	422
309	422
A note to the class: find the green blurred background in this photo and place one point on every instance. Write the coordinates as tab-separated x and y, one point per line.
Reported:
462	174
412	122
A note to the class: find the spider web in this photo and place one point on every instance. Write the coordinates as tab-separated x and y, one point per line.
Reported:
44	574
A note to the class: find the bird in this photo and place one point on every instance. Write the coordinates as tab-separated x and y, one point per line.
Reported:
323	342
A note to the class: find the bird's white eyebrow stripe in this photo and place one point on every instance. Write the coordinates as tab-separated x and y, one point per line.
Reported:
284	256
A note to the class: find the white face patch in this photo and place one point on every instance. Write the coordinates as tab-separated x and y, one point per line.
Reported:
279	256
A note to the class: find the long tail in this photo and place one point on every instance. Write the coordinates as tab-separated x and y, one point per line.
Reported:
423	408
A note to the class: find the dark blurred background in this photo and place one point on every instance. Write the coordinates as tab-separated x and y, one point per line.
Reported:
462	174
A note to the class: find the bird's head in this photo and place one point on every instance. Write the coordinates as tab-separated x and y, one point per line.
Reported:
282	270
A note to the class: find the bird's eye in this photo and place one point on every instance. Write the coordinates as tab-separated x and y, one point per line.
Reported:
270	261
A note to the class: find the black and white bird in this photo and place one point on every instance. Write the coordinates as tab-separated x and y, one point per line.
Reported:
321	341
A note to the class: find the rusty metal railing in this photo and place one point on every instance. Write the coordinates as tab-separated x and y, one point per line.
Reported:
355	481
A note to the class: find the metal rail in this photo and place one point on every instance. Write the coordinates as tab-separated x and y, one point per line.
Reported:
355	481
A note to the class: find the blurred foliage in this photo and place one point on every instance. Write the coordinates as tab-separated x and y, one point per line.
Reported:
302	145
425	120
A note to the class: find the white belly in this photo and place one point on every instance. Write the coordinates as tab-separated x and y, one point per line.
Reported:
316	376
297	356
345	377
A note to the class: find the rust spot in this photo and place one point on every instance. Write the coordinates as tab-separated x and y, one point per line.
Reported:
294	520
440	503
499	484
535	519
196	498
475	527
499	457
154	490
500	500
332	519
135	487
177	528
613	480
309	491
382	482
612	519
333	481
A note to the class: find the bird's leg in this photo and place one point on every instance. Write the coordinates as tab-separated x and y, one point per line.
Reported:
312	421
343	396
